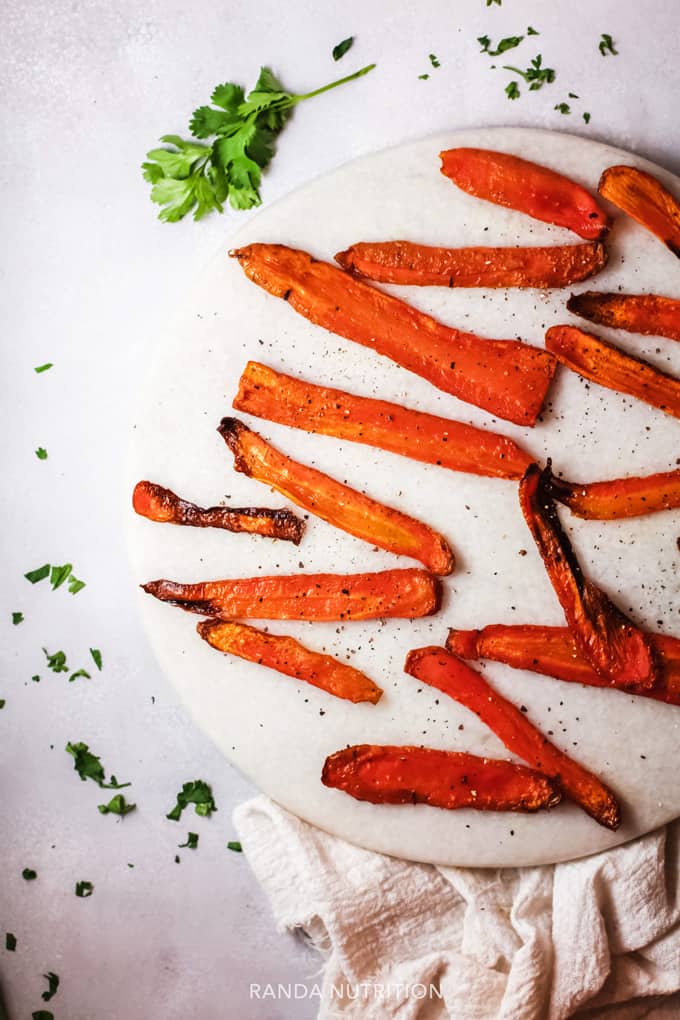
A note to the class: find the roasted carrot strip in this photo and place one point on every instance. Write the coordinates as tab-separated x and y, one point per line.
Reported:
162	505
444	779
286	655
440	669
387	593
341	506
451	444
532	189
608	366
506	377
646	200
420	265
552	651
616	649
647	314
620	497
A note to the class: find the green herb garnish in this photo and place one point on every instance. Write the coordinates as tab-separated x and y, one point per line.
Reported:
74	585
423	77
97	657
78	673
35	679
197	793
29	874
56	662
586	117
43	368
17	618
342	47
509	43
42	1014
192	841
434	61
606	45
59	575
2	702
489	2
536	76
41	453
84	889
512	90
88	766
10	942
234	845
117	806
38	575
572	95
532	31
53	983
563	108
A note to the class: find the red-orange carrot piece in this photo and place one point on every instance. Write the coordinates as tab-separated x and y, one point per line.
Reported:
552	651
269	394
620	497
444	779
506	377
452	676
162	505
387	593
286	655
424	266
646	200
647	314
532	189
341	506
608	366
616	649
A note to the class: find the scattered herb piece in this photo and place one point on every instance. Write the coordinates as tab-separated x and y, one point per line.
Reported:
536	76
38	575
97	657
532	31
78	673
88	766
234	845
74	585
176	858
423	77
53	983
43	368
606	45
41	453
10	942
572	95
84	889
586	117
563	108
2	702
17	618
116	806
197	793
59	575
484	42
434	61
29	874
35	679
56	662
187	175
192	841
42	1014
489	2
509	43
130	865
512	90
342	47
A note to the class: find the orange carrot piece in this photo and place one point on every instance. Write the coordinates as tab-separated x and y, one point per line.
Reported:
532	189
505	377
341	506
608	366
452	676
616	649
646	200
444	779
164	506
647	314
552	651
620	497
286	655
388	593
269	394
423	266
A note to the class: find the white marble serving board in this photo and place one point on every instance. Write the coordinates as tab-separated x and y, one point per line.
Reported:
279	731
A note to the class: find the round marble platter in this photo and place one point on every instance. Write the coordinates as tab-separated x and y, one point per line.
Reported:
279	731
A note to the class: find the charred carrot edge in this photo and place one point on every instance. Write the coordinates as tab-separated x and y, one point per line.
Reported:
420	265
505	377
451	444
620	497
452	676
341	506
616	649
444	779
388	593
646	200
159	504
528	187
646	314
552	651
605	364
286	655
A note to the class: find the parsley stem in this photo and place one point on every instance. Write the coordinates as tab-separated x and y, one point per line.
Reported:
333	84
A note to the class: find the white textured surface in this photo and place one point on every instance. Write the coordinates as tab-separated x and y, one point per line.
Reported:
88	278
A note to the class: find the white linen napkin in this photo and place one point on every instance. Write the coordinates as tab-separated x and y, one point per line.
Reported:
598	937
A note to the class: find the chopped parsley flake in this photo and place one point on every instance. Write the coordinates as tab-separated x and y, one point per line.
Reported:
43	368
342	47
57	662
509	43
434	61
563	108
74	585
586	117
116	806
234	845
39	574
489	2
17	618
423	77
532	31
59	575
192	841
197	793
29	874
78	673
10	942
2	702
606	45
536	76
97	657
512	90
84	889
88	766
41	453
572	95
42	1014
52	983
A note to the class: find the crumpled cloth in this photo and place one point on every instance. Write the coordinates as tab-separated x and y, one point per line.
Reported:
597	937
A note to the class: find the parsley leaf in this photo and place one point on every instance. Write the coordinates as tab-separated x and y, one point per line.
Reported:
572	95
188	176
10	942
17	618
38	575
117	806
57	662
423	77
192	841
484	42
53	983
29	874
489	2
434	61
74	585
59	575
84	889
532	31
234	845
606	45
88	766
342	47
512	90
536	76
2	702
41	453
563	108
197	793
97	657
509	43
35	679
43	368
78	673
586	117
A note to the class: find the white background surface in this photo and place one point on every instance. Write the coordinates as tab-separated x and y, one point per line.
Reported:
88	278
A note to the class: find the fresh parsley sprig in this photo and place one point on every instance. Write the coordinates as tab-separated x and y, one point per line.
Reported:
242	129
536	76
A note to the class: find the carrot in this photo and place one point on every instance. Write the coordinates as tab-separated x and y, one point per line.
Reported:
423	266
388	593
648	314
620	497
505	377
552	651
286	655
611	643
452	676
341	506
608	366
162	505
269	394
532	189
444	779
645	199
